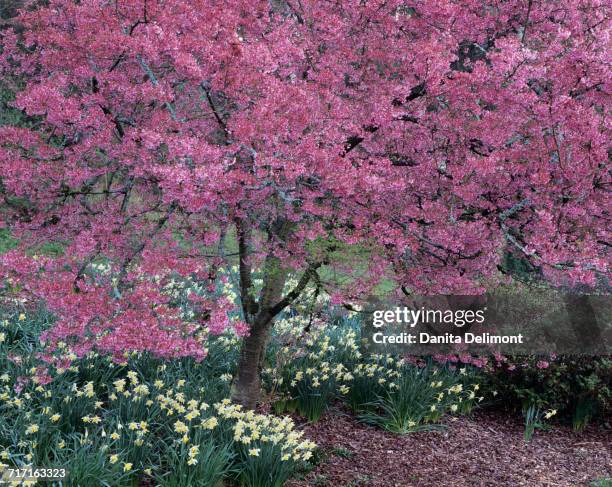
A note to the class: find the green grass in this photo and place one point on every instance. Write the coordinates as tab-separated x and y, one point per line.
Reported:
6	241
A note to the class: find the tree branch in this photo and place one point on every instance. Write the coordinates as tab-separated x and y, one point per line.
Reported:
155	82
309	274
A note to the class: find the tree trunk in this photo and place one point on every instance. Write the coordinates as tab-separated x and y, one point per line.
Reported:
260	313
247	386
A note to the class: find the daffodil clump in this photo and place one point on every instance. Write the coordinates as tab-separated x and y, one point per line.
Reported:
373	377
535	418
418	400
467	393
269	447
311	365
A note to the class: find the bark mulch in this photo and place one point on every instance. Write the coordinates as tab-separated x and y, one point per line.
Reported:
485	450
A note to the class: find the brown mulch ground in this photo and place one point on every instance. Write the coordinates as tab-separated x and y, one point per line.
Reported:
485	450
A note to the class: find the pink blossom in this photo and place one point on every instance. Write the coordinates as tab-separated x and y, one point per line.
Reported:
542	364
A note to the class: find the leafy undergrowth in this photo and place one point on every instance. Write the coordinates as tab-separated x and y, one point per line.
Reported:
143	421
148	422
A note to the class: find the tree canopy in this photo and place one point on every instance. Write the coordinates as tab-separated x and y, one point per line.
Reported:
438	132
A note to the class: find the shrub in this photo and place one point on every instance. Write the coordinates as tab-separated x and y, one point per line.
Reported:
579	388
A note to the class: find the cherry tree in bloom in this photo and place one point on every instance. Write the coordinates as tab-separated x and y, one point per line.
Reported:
436	134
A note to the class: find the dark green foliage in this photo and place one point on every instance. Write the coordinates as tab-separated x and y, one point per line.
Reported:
579	388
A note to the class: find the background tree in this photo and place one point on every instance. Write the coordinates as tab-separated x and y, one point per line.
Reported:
431	133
